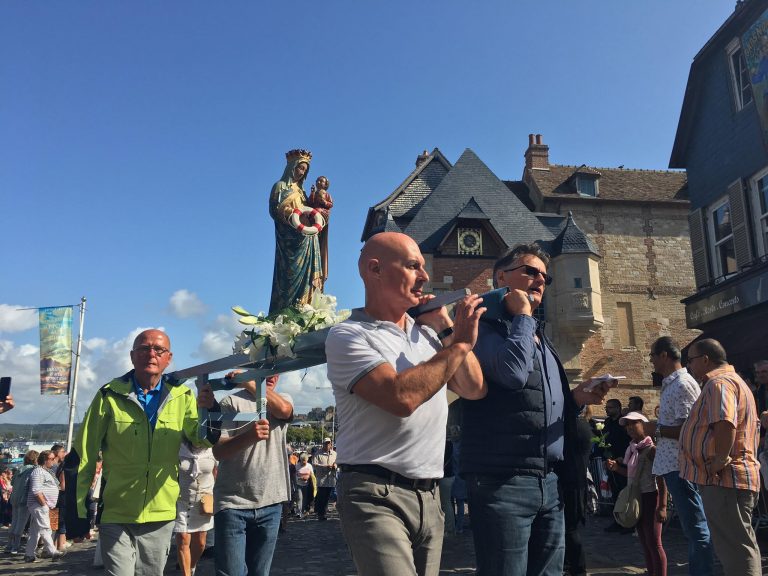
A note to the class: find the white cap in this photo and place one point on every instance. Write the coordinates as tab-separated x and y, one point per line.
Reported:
632	416
326	440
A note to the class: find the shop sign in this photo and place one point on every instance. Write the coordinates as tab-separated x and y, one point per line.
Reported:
734	298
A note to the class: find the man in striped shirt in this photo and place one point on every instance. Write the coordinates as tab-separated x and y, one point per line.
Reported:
718	451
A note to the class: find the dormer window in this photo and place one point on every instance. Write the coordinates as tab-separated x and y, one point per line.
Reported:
586	185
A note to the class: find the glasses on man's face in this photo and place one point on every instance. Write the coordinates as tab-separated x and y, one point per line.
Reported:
158	350
532	272
694	358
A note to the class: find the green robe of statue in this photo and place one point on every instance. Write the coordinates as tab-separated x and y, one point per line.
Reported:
298	271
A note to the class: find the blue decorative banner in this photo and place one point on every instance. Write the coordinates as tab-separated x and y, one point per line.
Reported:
55	349
754	43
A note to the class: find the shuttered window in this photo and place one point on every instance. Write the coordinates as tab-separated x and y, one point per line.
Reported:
723	247
760	204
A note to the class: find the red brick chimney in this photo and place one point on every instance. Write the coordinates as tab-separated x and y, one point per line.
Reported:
537	155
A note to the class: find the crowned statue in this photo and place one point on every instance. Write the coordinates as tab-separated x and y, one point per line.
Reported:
301	248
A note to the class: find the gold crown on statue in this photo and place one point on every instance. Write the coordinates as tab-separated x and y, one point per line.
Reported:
300	154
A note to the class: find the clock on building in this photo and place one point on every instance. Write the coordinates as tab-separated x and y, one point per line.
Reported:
470	241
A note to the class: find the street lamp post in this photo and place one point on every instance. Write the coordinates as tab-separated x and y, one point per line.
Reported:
333	417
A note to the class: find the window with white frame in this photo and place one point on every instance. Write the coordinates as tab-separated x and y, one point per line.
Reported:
760	209
742	89
586	186
721	232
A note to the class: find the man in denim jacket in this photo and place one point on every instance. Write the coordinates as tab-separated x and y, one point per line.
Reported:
515	441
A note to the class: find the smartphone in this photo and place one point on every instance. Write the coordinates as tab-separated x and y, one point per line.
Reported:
493	301
5	387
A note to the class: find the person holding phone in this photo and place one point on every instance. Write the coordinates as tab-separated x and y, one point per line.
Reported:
6	400
530	413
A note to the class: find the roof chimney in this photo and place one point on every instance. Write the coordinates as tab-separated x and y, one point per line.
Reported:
421	158
537	155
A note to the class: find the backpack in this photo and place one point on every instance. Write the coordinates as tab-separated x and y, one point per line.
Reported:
20	485
626	511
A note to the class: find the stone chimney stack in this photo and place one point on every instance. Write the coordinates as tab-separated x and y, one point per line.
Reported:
421	158
537	155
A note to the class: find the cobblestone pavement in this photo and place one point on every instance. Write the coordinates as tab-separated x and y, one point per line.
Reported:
312	548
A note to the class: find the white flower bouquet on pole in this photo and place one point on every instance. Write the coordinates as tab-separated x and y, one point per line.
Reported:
285	333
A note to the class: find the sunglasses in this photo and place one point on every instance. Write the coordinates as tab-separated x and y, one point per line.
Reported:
532	272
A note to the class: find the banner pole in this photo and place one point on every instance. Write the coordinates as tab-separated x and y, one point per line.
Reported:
73	395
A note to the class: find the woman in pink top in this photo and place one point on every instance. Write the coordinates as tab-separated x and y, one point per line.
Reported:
637	465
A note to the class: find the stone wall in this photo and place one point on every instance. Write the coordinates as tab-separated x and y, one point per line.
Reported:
646	263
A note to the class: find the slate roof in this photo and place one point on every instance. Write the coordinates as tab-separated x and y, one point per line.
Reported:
614	183
553	222
471	179
407	198
472	211
572	240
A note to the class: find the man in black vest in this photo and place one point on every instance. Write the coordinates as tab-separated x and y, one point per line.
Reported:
516	441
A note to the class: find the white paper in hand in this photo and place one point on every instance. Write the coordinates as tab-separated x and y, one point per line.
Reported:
613	381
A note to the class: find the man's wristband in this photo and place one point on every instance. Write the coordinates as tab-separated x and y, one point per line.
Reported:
445	333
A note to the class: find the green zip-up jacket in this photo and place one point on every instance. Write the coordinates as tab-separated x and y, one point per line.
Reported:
141	465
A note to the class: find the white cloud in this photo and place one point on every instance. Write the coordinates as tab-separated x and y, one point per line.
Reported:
309	388
94	343
218	338
186	304
14	320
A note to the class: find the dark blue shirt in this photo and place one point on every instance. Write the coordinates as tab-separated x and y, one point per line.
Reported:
508	363
149	401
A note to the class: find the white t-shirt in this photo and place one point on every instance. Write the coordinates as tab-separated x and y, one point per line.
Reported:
679	391
303	474
411	446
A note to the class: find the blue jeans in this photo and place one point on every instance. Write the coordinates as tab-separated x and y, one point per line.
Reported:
517	525
245	539
690	510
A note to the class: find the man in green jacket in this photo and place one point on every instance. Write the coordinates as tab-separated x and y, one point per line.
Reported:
138	422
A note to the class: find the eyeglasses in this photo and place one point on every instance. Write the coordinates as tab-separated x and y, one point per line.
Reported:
532	271
694	358
158	350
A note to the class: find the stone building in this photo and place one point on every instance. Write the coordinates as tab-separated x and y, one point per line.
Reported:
618	238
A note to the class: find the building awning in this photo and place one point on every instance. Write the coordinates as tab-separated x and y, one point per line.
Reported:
743	335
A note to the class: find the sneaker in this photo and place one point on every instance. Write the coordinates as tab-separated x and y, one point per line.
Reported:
45	554
58	555
30	559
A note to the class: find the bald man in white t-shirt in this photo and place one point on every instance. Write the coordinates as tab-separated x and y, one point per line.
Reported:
389	376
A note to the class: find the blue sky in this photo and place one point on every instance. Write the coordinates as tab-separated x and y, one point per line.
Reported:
139	141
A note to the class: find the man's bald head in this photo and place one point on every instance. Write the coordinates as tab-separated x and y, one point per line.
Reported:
392	269
151	334
384	247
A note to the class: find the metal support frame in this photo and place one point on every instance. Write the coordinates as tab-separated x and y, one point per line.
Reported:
309	350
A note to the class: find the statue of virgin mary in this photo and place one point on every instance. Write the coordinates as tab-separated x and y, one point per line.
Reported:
298	271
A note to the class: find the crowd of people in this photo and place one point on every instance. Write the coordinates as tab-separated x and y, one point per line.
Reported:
519	458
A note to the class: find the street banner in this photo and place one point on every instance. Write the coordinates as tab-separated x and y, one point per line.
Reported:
55	349
754	43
